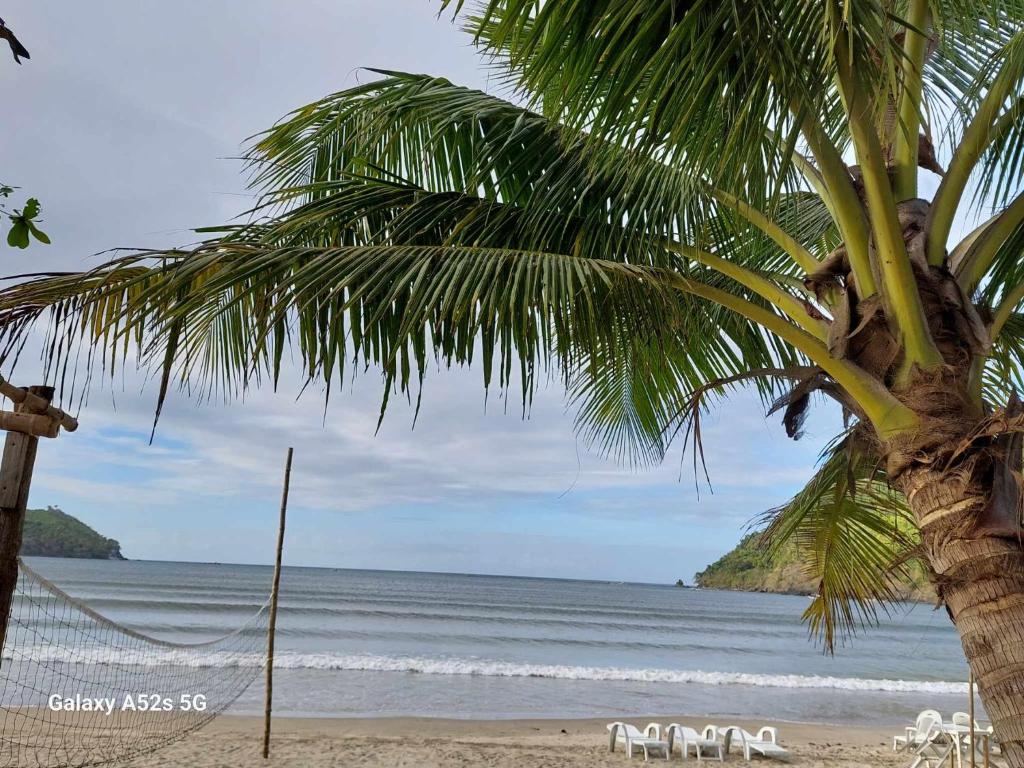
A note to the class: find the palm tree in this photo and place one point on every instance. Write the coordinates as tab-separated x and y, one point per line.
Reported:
676	199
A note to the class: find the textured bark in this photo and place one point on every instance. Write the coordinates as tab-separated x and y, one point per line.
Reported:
980	577
964	489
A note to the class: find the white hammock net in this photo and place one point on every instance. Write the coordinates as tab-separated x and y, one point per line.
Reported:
60	655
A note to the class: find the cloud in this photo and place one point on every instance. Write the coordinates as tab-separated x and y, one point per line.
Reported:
426	497
459	451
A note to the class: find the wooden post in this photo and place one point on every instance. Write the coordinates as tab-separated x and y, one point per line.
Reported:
15	478
273	608
970	714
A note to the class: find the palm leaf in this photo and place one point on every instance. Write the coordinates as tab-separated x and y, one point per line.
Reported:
228	309
427	133
854	535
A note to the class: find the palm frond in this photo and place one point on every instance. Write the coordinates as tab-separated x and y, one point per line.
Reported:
1003	375
1001	166
1005	273
430	134
687	80
349	176
854	535
223	313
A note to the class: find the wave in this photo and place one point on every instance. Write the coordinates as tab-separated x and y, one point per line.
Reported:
320	600
485	668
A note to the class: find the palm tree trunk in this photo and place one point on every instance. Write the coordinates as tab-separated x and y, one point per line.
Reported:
979	572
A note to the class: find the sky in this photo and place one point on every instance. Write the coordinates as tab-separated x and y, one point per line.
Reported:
126	124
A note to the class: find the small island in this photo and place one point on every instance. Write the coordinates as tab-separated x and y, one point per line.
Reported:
750	568
51	532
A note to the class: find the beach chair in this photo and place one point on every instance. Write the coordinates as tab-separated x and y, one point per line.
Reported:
630	737
934	751
969	742
765	743
964	721
706	744
927	725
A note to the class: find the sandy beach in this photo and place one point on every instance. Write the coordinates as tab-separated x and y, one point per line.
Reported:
428	743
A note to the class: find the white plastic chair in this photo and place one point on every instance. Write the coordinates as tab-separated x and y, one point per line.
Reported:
963	720
925	728
931	745
766	742
630	737
707	743
933	752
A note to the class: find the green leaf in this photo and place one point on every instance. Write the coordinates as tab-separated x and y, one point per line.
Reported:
17	237
37	233
22	225
854	535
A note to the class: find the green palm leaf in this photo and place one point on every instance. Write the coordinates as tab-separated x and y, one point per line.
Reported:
855	537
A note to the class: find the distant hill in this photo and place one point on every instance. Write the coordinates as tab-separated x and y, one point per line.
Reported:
748	568
52	533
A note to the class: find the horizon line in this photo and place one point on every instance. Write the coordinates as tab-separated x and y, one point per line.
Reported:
369	570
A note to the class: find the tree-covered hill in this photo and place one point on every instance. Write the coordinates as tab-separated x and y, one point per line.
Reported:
750	568
52	533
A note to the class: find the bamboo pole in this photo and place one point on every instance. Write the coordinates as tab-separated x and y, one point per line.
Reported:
34	402
35	424
273	607
15	478
970	714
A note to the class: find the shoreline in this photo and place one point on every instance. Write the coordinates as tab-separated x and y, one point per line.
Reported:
426	742
514	722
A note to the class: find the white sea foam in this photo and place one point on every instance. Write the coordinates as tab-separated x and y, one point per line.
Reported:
489	668
486	668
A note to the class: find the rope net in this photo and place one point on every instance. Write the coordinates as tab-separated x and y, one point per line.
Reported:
129	694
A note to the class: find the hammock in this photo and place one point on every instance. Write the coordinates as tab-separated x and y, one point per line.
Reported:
64	666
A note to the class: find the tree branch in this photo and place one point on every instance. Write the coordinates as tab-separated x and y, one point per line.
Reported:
903	302
909	125
759	285
986	127
800	255
888	415
846	207
972	259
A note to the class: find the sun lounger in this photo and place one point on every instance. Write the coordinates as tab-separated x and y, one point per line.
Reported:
630	737
703	745
766	742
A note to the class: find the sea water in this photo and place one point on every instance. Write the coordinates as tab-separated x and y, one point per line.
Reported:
384	643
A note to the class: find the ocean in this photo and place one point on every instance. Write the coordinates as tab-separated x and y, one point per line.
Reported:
379	643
